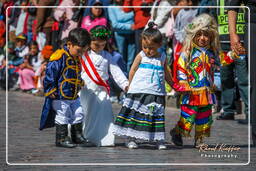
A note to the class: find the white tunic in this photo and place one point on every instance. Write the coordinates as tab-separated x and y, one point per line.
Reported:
95	99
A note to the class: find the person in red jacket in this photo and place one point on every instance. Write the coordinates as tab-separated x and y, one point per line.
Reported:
141	17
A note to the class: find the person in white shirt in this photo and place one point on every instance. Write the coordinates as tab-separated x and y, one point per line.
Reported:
95	99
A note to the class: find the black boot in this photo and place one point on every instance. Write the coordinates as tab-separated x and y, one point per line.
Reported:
176	138
77	136
62	139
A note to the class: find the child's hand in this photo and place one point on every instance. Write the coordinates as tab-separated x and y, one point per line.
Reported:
126	88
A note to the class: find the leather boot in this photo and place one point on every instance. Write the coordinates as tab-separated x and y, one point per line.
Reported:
62	139
77	136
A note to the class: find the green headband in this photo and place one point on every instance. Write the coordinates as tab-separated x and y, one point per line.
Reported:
102	33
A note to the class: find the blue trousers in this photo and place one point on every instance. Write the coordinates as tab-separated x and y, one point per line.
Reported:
126	46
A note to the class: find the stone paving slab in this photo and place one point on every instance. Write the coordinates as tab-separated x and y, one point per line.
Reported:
27	145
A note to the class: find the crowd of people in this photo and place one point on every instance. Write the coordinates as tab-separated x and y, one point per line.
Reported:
137	52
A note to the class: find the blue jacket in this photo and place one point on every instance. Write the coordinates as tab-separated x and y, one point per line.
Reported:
63	78
121	21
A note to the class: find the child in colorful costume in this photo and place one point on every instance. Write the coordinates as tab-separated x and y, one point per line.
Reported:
61	86
195	72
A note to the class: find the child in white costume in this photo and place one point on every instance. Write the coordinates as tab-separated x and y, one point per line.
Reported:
142	114
95	95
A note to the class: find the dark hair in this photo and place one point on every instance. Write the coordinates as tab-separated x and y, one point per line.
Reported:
79	37
96	4
100	33
152	33
33	43
32	57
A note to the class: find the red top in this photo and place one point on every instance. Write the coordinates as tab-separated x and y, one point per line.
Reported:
140	17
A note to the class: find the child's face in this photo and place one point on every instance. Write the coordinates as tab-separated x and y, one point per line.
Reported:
202	38
20	43
96	11
150	48
98	45
75	50
33	50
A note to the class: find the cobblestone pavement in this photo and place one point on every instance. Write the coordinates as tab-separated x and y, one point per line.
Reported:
29	148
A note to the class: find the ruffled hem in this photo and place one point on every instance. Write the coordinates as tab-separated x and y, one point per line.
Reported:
141	135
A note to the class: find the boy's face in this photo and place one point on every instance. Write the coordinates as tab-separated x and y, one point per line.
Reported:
98	45
20	42
202	38
75	50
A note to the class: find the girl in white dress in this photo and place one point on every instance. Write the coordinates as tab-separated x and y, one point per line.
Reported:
142	113
95	100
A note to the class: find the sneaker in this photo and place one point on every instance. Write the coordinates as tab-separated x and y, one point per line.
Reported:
131	145
161	146
34	91
176	138
114	99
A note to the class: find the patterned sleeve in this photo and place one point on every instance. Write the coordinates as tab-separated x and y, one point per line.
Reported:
182	74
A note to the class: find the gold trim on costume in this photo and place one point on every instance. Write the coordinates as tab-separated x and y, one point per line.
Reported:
50	92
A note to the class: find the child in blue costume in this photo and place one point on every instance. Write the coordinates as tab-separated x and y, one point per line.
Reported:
61	86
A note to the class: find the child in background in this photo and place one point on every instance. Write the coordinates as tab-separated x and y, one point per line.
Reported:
61	86
95	96
95	18
46	52
21	48
195	73
34	55
142	114
27	68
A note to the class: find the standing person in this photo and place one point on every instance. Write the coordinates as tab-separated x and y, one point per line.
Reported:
65	16
122	24
236	45
45	20
141	17
238	69
95	96
195	78
142	113
62	83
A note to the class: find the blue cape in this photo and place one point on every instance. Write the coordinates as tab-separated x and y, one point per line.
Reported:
48	115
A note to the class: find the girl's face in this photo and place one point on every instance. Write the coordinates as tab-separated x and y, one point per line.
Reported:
98	45
33	50
96	11
150	48
75	50
202	38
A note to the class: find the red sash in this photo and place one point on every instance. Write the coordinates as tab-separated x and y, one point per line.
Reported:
99	82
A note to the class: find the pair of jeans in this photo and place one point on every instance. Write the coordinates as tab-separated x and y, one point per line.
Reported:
239	70
126	46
